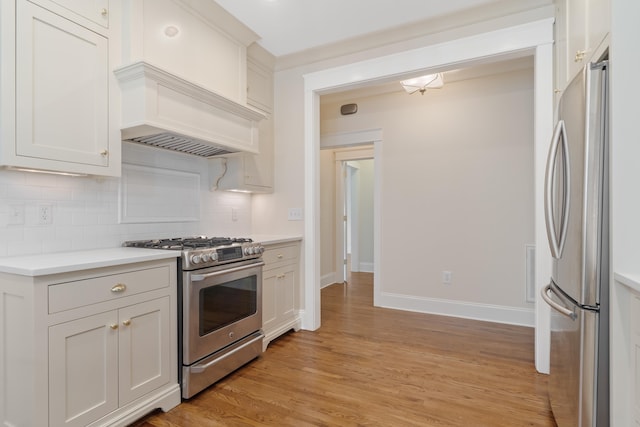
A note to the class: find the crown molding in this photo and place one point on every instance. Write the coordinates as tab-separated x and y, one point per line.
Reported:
435	30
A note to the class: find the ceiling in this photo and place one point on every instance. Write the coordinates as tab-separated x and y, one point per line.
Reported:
286	27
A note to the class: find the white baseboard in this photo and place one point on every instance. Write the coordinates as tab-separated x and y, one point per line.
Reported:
467	310
294	323
328	279
366	267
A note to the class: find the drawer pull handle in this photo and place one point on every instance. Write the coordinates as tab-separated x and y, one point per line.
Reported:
280	256
126	322
103	12
104	153
120	287
114	326
580	55
280	276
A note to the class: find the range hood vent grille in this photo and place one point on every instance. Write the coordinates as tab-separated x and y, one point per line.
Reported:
181	144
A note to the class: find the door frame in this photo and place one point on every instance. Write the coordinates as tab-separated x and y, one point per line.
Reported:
355	153
529	39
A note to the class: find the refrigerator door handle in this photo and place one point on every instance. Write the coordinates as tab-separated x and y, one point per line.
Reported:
556	243
559	308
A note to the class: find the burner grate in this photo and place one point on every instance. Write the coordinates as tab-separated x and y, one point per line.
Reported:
181	243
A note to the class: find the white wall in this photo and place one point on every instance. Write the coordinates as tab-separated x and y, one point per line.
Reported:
85	209
457	187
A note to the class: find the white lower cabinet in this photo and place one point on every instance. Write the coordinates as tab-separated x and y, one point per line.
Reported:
98	346
102	362
143	349
83	370
280	290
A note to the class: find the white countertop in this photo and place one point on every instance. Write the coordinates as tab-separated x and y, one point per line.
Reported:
631	281
64	262
267	239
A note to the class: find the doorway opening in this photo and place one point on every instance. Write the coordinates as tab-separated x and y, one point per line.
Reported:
532	38
348	192
356	207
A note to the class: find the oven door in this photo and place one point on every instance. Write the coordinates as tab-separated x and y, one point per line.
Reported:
221	306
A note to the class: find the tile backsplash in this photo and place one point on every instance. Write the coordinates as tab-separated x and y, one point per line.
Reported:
84	211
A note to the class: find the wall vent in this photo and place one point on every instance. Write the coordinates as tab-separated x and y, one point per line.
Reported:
347	109
530	272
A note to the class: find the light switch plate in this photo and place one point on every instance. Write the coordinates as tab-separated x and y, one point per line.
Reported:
295	214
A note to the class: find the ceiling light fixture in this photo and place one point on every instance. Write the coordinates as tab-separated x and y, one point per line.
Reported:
171	31
421	84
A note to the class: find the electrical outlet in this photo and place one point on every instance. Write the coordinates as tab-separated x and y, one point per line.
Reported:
16	214
234	214
446	277
295	214
45	214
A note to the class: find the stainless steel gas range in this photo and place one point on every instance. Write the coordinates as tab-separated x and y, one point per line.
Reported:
219	306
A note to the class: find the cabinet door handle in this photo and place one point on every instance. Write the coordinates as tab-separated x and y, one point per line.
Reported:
280	276
104	153
120	287
114	326
280	256
579	55
126	322
104	12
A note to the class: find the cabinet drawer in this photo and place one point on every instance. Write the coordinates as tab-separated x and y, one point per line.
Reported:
69	295
279	254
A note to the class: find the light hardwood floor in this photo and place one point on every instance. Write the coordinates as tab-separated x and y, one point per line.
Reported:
369	366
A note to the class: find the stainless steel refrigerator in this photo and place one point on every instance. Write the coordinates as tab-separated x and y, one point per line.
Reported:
576	213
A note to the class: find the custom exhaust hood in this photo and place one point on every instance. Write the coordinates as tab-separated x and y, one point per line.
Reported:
162	110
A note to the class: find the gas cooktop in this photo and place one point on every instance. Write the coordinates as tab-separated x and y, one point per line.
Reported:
182	243
203	251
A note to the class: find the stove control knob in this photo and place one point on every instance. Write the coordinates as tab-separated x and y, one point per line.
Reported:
248	250
259	249
214	256
205	257
195	259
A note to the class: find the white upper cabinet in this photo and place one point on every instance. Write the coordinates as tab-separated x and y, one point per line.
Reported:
62	94
259	86
95	10
62	88
246	171
581	27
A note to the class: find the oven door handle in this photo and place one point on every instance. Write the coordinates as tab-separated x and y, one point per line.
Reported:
197	369
200	277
